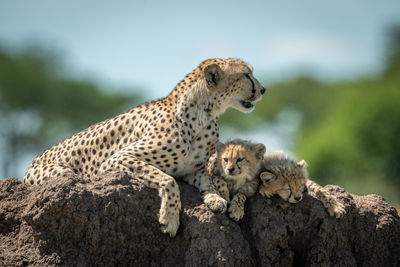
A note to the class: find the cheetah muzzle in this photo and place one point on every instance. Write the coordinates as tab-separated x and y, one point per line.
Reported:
246	104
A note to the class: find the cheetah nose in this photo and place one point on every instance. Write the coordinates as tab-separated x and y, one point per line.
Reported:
230	170
263	91
297	198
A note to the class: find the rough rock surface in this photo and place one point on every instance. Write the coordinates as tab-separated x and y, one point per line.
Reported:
112	221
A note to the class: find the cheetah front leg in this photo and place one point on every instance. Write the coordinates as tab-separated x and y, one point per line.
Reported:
222	187
202	180
236	206
38	173
334	207
152	177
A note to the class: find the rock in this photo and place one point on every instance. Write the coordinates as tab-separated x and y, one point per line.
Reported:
113	221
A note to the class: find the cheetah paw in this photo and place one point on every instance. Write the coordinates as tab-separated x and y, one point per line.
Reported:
337	210
169	222
235	212
215	202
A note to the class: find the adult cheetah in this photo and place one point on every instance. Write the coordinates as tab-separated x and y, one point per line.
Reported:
162	139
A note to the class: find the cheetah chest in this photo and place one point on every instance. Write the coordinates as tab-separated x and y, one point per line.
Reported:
198	152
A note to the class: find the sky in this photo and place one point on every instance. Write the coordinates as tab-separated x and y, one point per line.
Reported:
152	45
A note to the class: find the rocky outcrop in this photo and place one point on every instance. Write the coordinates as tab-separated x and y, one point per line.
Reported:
113	221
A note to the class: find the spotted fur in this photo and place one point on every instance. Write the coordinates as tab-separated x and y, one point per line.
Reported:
235	168
161	139
283	176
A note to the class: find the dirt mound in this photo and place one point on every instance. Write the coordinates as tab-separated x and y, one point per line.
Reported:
112	221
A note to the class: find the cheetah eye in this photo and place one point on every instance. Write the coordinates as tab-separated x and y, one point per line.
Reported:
239	160
226	159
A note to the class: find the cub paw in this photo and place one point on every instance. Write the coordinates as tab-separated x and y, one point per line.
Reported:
266	193
235	211
215	202
169	221
337	210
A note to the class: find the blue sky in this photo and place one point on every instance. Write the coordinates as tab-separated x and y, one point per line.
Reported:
153	44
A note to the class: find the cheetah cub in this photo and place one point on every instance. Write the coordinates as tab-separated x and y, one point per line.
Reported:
287	178
234	168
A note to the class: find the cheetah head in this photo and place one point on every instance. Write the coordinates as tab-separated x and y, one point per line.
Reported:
231	84
284	177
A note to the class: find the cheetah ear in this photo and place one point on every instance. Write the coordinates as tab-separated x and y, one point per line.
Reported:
213	74
302	163
259	149
267	177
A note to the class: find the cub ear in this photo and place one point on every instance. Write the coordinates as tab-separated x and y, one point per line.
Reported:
259	149
302	163
267	177
213	74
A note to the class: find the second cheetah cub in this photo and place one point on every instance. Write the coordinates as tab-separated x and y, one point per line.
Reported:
234	168
283	176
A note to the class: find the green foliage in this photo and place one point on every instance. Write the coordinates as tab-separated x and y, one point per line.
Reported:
393	54
358	138
39	104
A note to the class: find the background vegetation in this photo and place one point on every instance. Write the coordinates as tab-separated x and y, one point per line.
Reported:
349	131
40	104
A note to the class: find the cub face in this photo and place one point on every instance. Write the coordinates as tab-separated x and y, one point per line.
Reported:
240	161
284	177
232	84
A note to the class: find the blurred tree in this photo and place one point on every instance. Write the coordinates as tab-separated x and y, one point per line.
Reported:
393	53
360	134
39	103
357	138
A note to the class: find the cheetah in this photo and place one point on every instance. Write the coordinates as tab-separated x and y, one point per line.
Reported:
235	168
162	140
287	178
